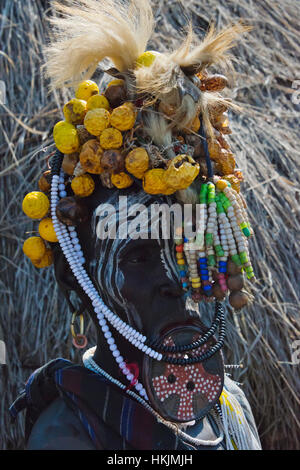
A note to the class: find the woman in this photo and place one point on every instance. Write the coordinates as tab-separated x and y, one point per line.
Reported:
156	378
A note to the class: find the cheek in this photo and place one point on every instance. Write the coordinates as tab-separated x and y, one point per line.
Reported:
135	286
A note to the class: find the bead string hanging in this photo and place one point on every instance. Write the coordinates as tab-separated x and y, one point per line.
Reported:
222	236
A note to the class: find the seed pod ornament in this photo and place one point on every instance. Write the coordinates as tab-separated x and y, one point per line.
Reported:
90	157
112	161
72	211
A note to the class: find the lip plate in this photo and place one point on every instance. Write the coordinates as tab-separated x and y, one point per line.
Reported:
176	402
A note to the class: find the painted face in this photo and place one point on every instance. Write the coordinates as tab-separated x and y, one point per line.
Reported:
138	278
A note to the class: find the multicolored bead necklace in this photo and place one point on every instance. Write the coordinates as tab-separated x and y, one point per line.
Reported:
222	236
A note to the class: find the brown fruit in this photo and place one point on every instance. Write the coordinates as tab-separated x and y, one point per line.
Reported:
214	83
45	181
72	211
216	110
214	149
69	163
113	161
116	95
238	299
217	292
90	157
106	180
232	268
225	163
83	135
235	282
220	121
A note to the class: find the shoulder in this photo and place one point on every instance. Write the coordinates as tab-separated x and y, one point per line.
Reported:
58	428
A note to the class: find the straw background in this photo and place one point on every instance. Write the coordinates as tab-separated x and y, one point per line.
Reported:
34	319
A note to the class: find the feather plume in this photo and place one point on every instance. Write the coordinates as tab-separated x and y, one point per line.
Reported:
88	31
213	49
156	126
160	78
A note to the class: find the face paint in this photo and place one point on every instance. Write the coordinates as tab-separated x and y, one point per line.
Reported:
132	287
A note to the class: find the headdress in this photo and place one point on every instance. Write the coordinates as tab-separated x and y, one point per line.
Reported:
160	124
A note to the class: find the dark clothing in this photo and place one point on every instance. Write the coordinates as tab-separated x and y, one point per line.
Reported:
112	420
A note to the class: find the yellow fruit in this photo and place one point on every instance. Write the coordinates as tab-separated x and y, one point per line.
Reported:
46	260
75	110
35	205
225	163
181	172
34	248
111	138
86	89
193	126
234	181
154	182
221	184
90	157
137	162
66	137
97	101
121	180
146	59
83	185
96	120
123	117
214	149
46	230
117	81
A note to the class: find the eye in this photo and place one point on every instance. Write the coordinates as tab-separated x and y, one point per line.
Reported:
138	256
140	253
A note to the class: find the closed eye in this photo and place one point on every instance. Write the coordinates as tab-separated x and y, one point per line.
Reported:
140	253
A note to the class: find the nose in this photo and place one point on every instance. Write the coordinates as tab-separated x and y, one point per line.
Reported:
171	289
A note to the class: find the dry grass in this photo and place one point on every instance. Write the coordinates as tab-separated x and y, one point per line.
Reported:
35	320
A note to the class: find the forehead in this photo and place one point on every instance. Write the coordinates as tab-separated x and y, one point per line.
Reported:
136	216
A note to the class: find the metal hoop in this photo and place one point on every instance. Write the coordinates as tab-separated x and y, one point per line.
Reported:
79	339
